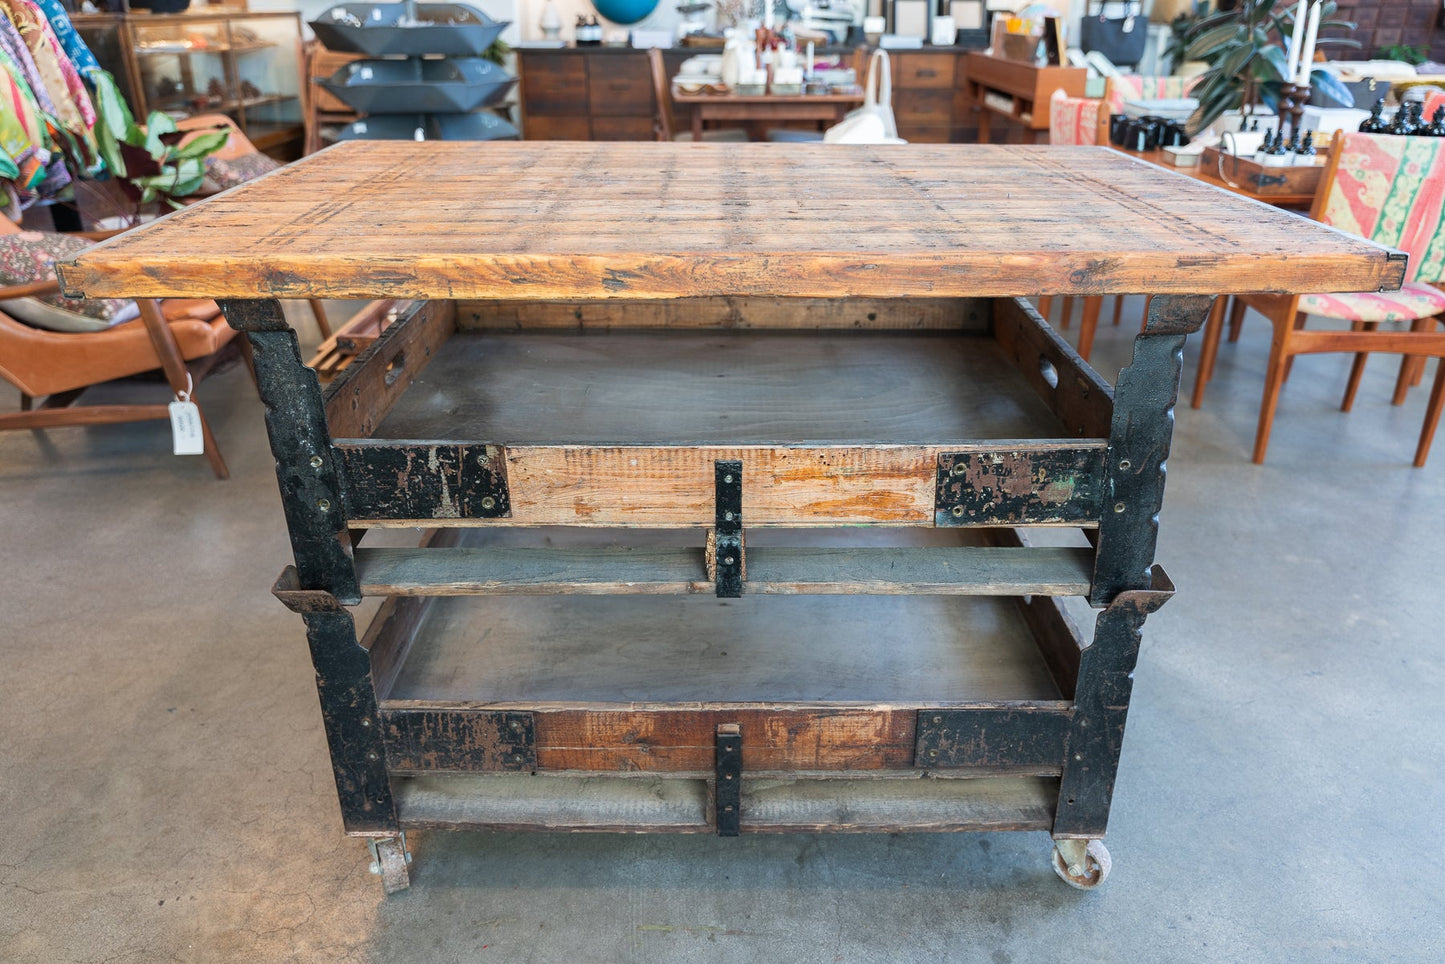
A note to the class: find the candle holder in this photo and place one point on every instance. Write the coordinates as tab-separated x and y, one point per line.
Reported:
1292	100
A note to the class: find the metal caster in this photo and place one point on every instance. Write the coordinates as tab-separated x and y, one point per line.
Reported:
1081	863
389	860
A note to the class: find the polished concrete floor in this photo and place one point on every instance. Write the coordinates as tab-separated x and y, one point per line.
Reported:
168	796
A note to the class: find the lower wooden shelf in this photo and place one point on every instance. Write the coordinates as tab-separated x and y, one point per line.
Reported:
679	805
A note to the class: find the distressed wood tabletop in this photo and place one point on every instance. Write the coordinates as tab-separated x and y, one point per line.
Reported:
648	220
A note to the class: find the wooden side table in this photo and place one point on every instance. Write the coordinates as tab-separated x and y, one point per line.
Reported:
1018	92
759	111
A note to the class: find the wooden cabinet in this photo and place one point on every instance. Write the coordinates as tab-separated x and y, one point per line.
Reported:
1018	92
597	94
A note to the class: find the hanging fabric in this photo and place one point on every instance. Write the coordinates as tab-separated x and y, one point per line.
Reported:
74	47
45	53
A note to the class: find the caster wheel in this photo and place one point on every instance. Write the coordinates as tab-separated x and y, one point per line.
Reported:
390	859
1082	864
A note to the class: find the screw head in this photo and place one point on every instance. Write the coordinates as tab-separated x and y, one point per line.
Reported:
324	505
937	720
727	478
1119	507
728	516
1125	465
316	461
1078	756
515	726
1075	870
728	560
372	755
932	754
488	503
957	511
366	723
958	468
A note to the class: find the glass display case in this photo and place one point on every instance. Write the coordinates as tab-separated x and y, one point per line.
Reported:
246	65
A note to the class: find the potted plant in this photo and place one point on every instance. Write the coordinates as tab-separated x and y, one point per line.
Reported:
1245	52
135	167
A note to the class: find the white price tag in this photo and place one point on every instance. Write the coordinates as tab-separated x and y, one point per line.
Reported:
186	428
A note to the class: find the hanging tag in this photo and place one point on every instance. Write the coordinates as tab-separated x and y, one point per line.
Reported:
186	433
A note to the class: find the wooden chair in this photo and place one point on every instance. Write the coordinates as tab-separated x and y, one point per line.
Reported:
1390	190
181	338
664	127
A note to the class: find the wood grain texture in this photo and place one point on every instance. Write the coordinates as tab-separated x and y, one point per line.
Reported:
731	313
622	650
750	387
679	805
528	220
791	571
359	398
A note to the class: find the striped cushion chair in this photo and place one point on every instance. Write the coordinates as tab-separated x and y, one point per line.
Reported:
1392	191
1125	87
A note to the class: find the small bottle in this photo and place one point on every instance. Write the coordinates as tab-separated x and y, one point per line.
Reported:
1373	124
1401	125
1417	117
1307	147
1437	123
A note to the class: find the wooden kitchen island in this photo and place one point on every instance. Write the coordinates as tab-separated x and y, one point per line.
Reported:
727	457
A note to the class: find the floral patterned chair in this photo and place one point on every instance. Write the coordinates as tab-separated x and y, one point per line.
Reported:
1392	191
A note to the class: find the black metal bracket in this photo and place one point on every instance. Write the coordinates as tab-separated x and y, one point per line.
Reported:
425	740
728	526
728	794
429	480
1019	736
1267	180
1054	486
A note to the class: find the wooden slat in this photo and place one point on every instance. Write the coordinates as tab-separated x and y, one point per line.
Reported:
362	395
898	806
504	570
1081	400
371	219
731	313
654	804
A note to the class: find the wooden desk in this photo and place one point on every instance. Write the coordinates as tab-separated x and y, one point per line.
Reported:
759	111
636	342
1018	92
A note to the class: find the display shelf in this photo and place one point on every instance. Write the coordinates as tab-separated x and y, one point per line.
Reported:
201	62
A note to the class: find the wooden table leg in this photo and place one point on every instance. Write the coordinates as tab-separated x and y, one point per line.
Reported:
983	131
697	122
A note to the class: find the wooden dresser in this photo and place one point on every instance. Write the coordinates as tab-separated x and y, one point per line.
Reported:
605	93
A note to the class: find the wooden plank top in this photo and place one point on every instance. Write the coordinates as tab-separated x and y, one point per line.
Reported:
648	220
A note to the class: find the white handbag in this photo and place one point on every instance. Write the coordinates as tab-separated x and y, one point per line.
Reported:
872	123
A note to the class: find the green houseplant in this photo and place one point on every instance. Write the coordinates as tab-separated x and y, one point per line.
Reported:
134	166
1245	52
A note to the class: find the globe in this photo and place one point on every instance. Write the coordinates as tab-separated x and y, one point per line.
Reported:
624	11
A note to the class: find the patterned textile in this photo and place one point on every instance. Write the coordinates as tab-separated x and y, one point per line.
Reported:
1413	300
1392	191
72	103
28	256
70	76
228	173
1136	87
75	48
1073	120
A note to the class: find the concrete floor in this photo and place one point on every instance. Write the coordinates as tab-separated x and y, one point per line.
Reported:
168	793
